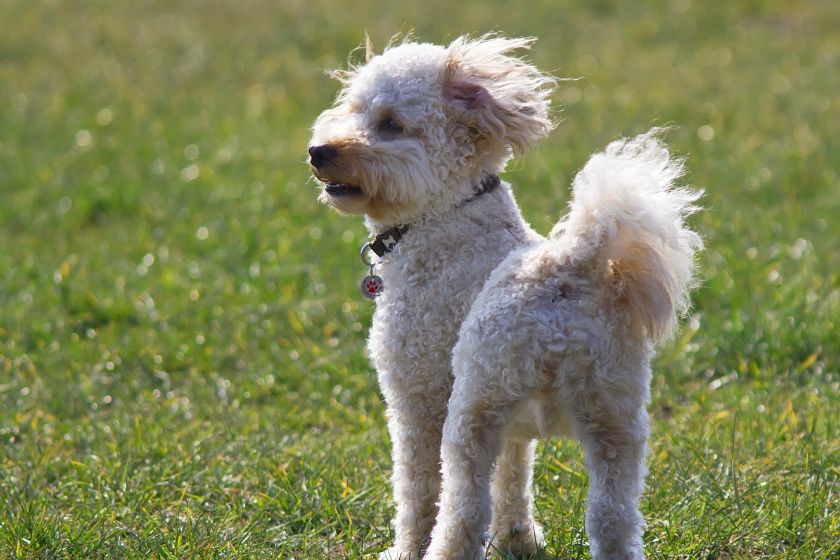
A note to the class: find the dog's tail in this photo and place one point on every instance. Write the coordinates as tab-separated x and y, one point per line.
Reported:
628	218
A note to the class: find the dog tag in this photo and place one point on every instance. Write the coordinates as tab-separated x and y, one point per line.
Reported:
371	286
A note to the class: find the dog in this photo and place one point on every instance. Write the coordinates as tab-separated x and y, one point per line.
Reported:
486	335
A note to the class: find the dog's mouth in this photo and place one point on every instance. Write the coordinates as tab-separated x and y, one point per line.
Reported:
336	189
342	189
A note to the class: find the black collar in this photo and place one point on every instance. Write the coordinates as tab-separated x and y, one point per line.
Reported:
385	242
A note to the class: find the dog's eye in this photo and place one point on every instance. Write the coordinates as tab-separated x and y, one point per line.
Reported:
390	126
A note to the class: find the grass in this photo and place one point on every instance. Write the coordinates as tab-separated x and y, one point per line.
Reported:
182	372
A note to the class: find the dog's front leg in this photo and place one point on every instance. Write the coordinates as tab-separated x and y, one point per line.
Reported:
415	436
472	438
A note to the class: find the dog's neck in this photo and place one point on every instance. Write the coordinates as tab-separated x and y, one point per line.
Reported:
379	229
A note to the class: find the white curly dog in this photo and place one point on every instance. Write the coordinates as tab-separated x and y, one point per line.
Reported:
487	335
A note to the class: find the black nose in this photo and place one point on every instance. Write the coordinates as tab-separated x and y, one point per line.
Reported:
319	155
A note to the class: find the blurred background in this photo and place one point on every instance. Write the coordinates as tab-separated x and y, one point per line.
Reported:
182	368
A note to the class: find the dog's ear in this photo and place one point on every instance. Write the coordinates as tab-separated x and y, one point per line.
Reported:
497	95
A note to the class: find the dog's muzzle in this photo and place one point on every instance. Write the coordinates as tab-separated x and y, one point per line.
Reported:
320	157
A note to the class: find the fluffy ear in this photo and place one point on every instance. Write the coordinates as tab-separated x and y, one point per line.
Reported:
498	95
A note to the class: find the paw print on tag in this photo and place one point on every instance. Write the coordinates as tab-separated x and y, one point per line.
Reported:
371	286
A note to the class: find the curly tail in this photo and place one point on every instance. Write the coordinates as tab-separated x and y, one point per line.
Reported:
628	218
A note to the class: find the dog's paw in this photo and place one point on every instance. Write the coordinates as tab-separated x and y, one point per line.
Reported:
519	540
394	554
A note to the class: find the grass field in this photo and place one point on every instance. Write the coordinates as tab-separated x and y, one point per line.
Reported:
182	372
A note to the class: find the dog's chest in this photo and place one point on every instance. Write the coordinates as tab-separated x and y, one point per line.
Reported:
426	302
428	291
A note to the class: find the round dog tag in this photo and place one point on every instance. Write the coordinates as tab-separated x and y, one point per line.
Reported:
371	286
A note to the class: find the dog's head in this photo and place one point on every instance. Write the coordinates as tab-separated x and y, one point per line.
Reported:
416	128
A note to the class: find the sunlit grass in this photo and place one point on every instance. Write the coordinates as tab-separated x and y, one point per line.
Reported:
182	372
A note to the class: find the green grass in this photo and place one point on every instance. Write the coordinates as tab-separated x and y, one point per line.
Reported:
182	372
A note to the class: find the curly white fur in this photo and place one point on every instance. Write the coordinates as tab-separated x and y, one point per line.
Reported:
488	335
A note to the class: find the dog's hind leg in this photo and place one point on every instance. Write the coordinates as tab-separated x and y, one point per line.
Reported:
512	528
615	459
472	437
